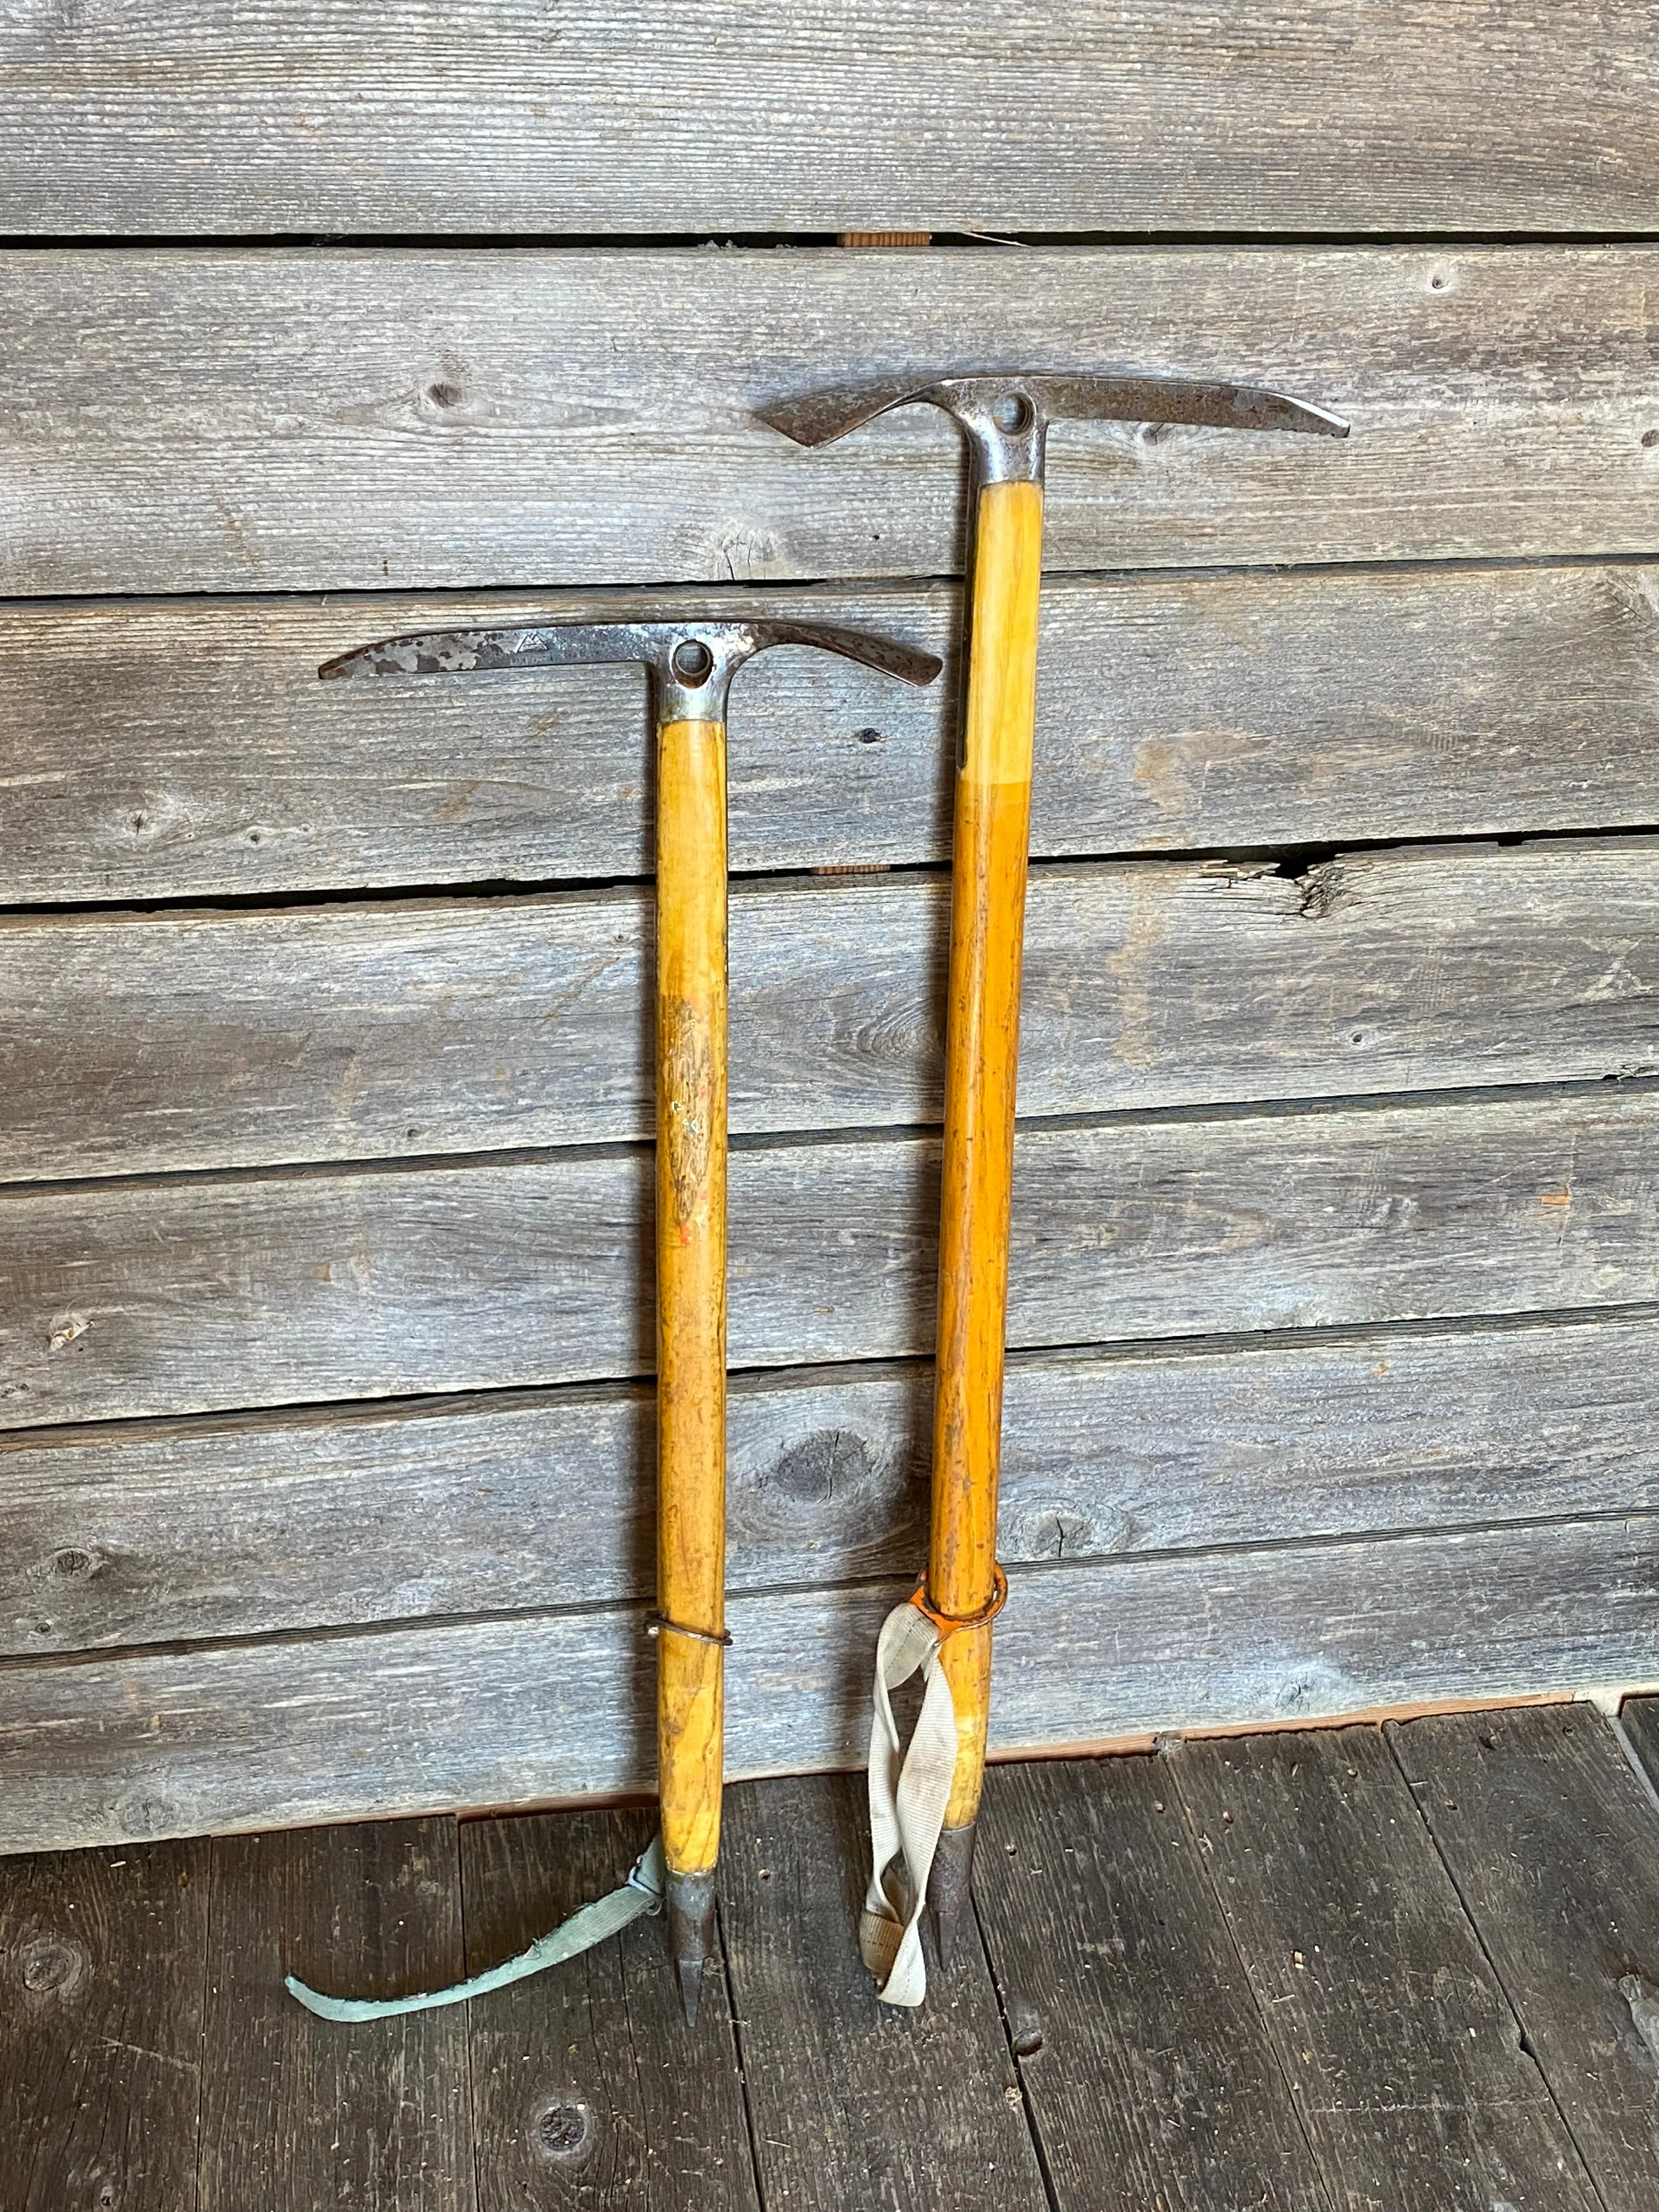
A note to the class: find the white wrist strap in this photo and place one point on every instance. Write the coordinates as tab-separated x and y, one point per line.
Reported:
909	1791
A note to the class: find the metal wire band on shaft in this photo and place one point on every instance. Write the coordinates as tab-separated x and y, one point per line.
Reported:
657	1624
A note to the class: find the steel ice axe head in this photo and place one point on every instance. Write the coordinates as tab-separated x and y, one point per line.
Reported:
691	663
1005	414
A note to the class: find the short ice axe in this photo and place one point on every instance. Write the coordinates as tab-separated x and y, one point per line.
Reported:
1004	418
692	664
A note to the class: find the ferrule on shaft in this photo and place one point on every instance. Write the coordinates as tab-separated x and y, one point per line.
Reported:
693	1934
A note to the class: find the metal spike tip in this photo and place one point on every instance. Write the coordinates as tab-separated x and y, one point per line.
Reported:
950	1887
692	1939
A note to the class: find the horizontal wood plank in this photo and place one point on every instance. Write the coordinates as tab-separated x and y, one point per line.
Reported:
123	1535
218	1292
522	1710
186	749
336	420
719	115
249	1040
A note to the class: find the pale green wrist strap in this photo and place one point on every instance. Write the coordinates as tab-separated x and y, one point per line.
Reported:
642	1892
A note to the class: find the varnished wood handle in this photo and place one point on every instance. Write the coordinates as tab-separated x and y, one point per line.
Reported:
691	1083
988	935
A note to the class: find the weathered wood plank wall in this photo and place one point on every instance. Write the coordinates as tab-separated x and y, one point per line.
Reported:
184	750
325	1423
163	1297
341	421
359	1032
165	1532
512	1709
707	116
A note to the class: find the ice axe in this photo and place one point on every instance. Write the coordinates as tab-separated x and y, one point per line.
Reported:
692	664
1004	418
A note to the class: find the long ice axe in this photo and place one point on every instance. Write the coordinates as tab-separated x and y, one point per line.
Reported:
692	664
1004	415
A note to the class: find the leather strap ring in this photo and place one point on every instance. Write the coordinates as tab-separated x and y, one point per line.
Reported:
948	1624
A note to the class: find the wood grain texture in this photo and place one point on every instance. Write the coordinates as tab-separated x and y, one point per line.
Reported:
527	1709
1551	1841
169	750
1639	1719
334	420
103	1965
156	1298
298	2111
1145	2064
1402	2054
690	1122
990	846
853	2104
120	1534
589	2093
386	1030
716	117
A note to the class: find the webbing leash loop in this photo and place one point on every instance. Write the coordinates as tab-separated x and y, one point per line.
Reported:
909	1790
910	1787
641	1893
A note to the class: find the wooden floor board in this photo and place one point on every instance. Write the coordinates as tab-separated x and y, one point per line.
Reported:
103	1965
297	2113
1403	2055
1235	1978
858	2106
1639	1720
1142	2053
1554	1847
589	2090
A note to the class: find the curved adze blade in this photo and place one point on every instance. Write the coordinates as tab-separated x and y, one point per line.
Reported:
907	662
817	418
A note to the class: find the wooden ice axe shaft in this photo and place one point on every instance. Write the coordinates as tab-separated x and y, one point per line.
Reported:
1004	417
690	1218
990	841
692	664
